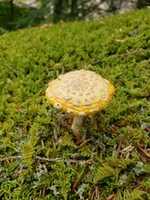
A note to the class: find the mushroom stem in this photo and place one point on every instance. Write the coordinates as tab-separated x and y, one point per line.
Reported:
76	125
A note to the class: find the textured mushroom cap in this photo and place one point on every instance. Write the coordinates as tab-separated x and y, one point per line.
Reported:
81	92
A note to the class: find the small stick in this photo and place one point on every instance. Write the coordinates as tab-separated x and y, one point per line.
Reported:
48	159
9	158
143	152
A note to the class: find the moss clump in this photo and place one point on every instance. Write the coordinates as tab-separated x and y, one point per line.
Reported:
38	156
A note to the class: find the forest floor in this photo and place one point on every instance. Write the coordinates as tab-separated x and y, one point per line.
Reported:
39	158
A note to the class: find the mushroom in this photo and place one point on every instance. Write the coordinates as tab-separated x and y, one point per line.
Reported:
81	93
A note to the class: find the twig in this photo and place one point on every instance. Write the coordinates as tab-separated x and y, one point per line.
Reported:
127	149
65	160
143	152
95	193
80	161
83	143
9	158
119	146
111	197
48	159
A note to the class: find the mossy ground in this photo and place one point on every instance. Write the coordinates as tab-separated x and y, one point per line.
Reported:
114	162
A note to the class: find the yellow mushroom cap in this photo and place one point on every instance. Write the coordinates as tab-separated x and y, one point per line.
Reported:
81	92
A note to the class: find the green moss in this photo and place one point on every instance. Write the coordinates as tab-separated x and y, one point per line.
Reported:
115	159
